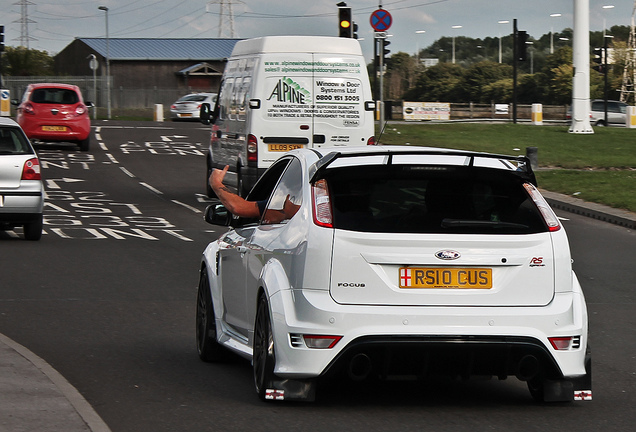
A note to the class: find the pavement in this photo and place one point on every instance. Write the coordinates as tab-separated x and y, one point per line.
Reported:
34	397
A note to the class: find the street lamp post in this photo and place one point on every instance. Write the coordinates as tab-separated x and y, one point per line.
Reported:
455	27
554	15
604	19
105	9
417	45
501	22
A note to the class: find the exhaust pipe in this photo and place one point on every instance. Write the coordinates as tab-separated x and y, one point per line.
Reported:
360	367
528	368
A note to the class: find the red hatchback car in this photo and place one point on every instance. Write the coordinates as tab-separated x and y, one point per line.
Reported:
55	113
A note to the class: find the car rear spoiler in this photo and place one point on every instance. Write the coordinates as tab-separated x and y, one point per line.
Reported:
521	165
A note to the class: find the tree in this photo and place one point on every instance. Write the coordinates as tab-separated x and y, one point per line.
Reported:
480	75
438	83
21	61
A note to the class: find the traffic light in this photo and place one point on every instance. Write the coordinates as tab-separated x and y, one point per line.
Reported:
598	59
345	25
385	43
355	30
1	38
522	38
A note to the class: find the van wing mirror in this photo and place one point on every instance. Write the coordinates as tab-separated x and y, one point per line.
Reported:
205	113
369	105
255	103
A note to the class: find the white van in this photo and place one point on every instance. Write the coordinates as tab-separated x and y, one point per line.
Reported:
280	93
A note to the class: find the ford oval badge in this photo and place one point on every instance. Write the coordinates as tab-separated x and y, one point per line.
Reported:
447	255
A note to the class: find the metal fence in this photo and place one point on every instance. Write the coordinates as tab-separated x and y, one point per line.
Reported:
95	90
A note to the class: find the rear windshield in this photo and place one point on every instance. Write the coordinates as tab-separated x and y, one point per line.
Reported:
54	96
13	141
431	199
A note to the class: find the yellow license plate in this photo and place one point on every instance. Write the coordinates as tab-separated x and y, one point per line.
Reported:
186	115
453	278
54	128
283	147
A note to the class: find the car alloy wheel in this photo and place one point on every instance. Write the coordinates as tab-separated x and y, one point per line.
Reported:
263	358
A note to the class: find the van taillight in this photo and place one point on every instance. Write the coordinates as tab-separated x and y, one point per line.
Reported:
322	204
371	141
31	170
551	219
252	148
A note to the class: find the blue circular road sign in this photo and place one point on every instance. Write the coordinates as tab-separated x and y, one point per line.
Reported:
381	20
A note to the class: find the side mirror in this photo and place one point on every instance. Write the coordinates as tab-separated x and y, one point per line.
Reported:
15	102
89	104
205	114
217	214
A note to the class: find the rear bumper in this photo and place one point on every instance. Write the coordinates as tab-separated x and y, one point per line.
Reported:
418	342
76	131
22	205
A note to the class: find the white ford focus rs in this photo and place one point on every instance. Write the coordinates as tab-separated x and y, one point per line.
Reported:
392	261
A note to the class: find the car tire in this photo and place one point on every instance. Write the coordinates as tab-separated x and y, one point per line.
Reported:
600	123
208	348
264	358
33	230
84	145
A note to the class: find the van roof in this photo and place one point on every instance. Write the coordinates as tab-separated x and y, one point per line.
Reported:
304	44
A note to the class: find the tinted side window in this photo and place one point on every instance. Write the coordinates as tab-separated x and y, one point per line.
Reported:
264	188
287	198
417	199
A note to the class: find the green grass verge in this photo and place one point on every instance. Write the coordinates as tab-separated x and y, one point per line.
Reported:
599	167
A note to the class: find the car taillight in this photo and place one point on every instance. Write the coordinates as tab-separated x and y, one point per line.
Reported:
549	217
561	343
28	108
80	110
252	149
173	106
322	204
321	341
31	170
371	141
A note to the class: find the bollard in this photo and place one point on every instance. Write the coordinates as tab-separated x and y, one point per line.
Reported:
532	153
158	112
630	119
537	114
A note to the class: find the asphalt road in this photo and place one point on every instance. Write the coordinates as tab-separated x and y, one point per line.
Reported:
107	297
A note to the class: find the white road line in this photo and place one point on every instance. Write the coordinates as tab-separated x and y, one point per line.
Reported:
189	207
103	146
146	185
128	173
112	158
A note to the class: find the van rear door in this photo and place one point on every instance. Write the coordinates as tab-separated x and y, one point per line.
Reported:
311	100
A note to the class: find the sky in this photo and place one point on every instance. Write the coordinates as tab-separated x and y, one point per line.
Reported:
53	24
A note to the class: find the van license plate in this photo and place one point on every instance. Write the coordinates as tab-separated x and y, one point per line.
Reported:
283	147
453	278
54	128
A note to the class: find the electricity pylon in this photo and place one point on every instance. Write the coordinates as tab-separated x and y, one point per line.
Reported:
226	16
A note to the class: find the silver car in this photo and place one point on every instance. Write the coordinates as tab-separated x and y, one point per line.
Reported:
188	106
616	112
21	189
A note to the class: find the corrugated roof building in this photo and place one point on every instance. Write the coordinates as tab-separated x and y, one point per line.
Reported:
150	63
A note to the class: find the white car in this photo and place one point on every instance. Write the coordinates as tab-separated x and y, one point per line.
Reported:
391	261
188	107
21	189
